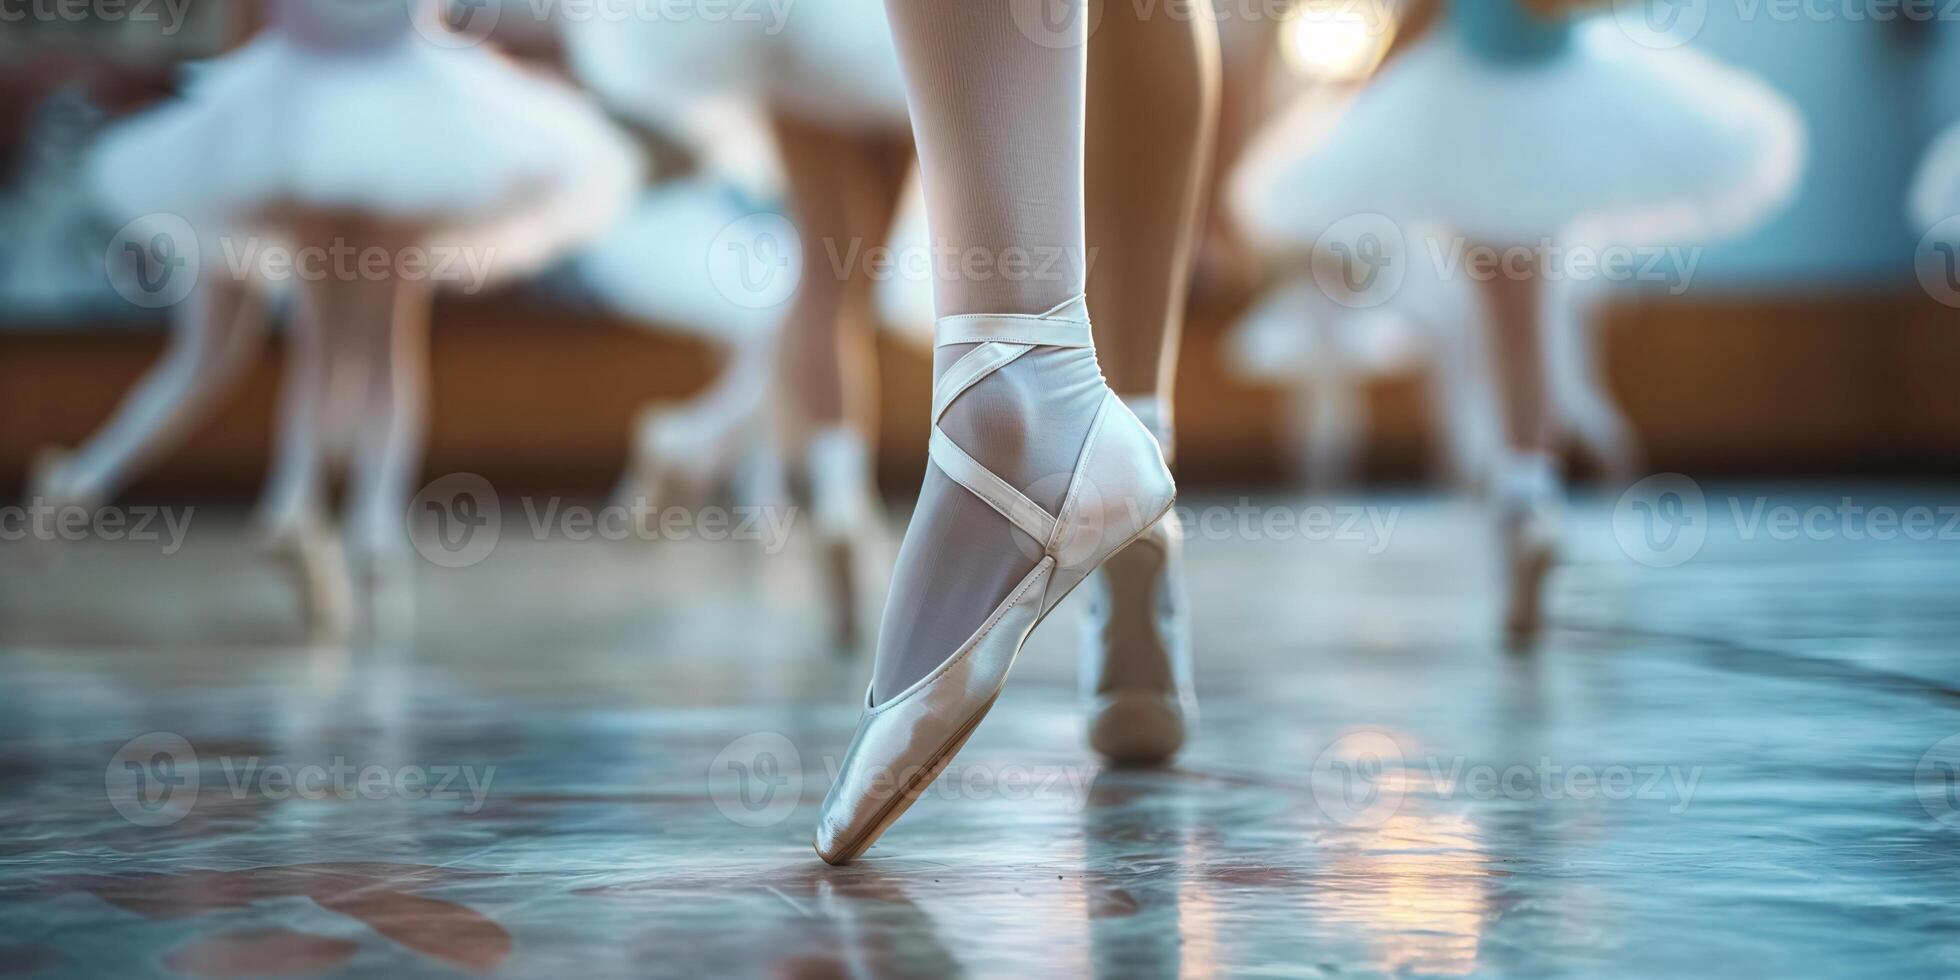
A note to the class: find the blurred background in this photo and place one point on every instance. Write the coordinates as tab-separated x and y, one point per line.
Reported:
1806	347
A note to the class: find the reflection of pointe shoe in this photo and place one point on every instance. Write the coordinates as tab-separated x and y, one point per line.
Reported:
1118	489
1527	511
845	520
1136	655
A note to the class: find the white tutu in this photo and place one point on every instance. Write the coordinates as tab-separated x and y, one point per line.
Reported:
656	265
832	61
1936	189
1638	143
482	152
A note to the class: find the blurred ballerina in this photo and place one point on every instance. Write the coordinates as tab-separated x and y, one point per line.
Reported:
1520	133
833	130
343	129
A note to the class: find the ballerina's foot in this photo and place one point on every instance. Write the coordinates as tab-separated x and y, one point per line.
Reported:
993	547
1530	555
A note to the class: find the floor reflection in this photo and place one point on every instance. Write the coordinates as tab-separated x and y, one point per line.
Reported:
1795	826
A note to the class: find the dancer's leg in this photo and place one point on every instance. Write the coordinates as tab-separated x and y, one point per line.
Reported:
1525	485
1152	112
842	191
296	486
1517	356
1153	95
1039	473
388	450
216	333
292	512
998	118
997	114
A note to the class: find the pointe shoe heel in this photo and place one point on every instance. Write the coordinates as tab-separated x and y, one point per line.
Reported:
1136	653
1119	488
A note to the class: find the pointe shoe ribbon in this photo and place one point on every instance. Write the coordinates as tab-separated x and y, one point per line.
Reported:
1118	489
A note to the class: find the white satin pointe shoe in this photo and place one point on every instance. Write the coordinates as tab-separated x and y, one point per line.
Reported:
1136	639
1118	489
1136	652
1527	495
847	521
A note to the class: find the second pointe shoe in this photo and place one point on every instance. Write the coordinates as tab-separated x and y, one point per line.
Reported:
1136	640
1119	488
1136	652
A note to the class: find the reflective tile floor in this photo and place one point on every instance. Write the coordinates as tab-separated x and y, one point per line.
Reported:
1733	754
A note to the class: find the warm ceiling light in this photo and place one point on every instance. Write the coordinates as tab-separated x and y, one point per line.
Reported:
1338	40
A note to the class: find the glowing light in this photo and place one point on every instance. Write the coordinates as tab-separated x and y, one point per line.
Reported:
1338	40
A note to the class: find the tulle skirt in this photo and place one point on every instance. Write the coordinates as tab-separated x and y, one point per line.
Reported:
833	61
659	265
1636	143
460	142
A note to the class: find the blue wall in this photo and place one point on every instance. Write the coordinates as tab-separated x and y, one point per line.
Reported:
1871	94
